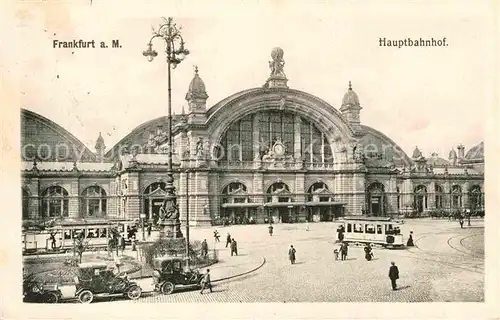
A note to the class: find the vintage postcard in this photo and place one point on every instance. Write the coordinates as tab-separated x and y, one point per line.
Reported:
250	159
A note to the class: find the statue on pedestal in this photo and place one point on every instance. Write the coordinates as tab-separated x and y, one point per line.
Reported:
278	63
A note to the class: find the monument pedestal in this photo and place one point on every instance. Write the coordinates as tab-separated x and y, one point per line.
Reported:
171	229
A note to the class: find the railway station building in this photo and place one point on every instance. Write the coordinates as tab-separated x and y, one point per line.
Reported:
269	153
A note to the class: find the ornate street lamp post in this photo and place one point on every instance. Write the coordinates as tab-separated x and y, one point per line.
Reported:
175	53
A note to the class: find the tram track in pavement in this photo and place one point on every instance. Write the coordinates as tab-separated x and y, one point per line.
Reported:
467	252
470	268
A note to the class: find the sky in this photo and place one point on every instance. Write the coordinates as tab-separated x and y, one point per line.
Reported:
433	98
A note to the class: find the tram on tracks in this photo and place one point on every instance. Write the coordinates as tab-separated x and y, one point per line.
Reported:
96	232
376	231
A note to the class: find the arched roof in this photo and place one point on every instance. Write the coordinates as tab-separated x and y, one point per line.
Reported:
38	132
377	142
476	152
138	136
231	109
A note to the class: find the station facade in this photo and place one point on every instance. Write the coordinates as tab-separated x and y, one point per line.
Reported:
271	153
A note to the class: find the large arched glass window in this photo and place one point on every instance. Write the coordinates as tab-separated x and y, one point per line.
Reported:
94	202
235	192
314	145
237	143
438	190
420	198
319	192
456	197
278	192
55	202
475	198
26	204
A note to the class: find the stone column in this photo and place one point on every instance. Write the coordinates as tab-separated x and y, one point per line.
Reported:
198	214
465	195
356	200
215	199
258	191
431	196
406	195
133	208
392	197
74	199
112	201
300	195
447	196
35	201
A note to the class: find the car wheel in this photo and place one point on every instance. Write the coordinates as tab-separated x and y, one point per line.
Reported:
134	292
51	297
167	288
86	296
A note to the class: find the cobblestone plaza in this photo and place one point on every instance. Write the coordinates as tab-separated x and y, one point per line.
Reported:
446	265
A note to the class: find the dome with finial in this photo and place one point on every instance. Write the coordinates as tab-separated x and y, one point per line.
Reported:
350	98
436	161
99	145
416	153
196	87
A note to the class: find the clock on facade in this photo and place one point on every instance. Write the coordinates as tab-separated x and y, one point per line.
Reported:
279	149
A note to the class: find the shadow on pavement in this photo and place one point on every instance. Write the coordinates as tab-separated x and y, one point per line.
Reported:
403	287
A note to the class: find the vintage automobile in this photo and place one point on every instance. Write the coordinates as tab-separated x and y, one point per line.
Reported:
34	291
172	273
97	280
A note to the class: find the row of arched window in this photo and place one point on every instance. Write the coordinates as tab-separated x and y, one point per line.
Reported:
55	202
421	196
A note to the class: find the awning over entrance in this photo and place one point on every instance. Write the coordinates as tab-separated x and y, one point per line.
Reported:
241	205
283	204
325	203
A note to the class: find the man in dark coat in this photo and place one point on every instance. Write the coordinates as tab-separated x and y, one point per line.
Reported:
343	251
205	282
393	275
270	229
291	254
228	239
204	248
234	247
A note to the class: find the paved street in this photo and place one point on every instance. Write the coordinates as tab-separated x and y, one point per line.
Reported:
446	265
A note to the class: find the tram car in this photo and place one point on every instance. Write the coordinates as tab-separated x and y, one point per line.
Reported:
96	233
377	231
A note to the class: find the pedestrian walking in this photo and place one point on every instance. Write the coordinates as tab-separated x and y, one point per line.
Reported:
343	251
393	275
409	243
461	221
291	254
216	236
271	230
204	248
234	247
205	282
336	254
228	239
149	230
122	243
53	241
